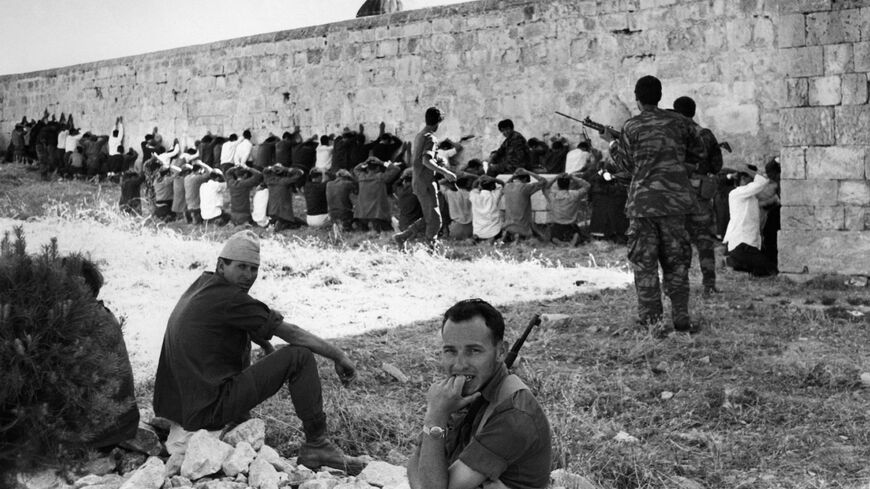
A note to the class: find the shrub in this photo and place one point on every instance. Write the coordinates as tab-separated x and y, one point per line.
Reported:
59	376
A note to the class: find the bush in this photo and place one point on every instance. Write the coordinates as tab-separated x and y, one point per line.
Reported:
59	375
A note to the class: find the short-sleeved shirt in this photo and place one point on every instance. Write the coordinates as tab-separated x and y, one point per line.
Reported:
518	206
206	343
459	205
485	216
514	445
424	147
564	204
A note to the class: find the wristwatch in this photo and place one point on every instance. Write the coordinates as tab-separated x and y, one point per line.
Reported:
435	432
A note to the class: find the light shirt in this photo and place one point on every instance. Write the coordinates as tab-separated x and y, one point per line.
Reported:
485	216
564	204
243	152
744	225
114	142
576	160
72	142
166	158
228	151
61	139
459	205
261	202
323	157
211	199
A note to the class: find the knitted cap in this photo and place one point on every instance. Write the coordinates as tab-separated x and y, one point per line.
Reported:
242	246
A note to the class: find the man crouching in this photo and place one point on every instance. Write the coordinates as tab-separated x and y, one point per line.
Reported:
204	376
503	439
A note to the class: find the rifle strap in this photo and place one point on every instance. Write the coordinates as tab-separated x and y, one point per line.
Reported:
509	386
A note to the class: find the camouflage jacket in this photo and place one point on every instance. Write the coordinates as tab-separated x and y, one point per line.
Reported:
660	149
713	162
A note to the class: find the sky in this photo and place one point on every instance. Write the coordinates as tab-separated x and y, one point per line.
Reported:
41	34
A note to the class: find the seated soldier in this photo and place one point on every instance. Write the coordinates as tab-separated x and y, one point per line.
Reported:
564	205
205	379
512	154
503	440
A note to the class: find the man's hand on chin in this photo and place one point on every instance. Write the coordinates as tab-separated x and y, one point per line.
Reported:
445	397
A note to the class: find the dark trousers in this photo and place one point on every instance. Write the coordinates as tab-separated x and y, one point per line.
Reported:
430	223
745	258
702	229
660	241
293	365
608	216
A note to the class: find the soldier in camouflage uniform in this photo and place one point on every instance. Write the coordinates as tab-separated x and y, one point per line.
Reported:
701	224
659	149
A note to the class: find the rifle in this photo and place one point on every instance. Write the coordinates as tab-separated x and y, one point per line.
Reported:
515	349
594	125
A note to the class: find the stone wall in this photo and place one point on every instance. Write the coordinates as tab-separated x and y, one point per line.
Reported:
521	59
481	61
825	123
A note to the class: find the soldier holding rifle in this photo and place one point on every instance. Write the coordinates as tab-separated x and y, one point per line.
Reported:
503	439
660	149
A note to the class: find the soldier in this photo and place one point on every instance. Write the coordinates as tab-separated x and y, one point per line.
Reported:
701	224
659	149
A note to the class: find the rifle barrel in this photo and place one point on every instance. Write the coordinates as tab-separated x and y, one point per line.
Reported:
515	349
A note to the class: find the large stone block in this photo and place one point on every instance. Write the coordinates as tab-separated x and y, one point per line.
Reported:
809	192
825	251
853	124
736	119
854	192
825	90
834	27
835	162
794	165
807	126
857	218
811	218
854	89
861	56
803	61
792	31
838	58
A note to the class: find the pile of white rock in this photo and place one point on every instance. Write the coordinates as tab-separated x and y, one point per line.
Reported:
239	459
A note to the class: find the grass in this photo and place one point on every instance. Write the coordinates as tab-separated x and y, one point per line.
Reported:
768	395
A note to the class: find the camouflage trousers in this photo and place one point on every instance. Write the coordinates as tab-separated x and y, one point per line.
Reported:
702	230
654	241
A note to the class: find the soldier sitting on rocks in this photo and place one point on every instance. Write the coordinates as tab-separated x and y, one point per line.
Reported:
204	376
502	440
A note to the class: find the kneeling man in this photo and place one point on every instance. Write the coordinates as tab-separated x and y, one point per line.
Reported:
504	437
204	376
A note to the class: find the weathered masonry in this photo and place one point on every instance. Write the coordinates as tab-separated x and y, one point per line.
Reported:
771	77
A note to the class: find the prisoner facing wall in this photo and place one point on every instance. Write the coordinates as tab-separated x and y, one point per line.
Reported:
487	60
